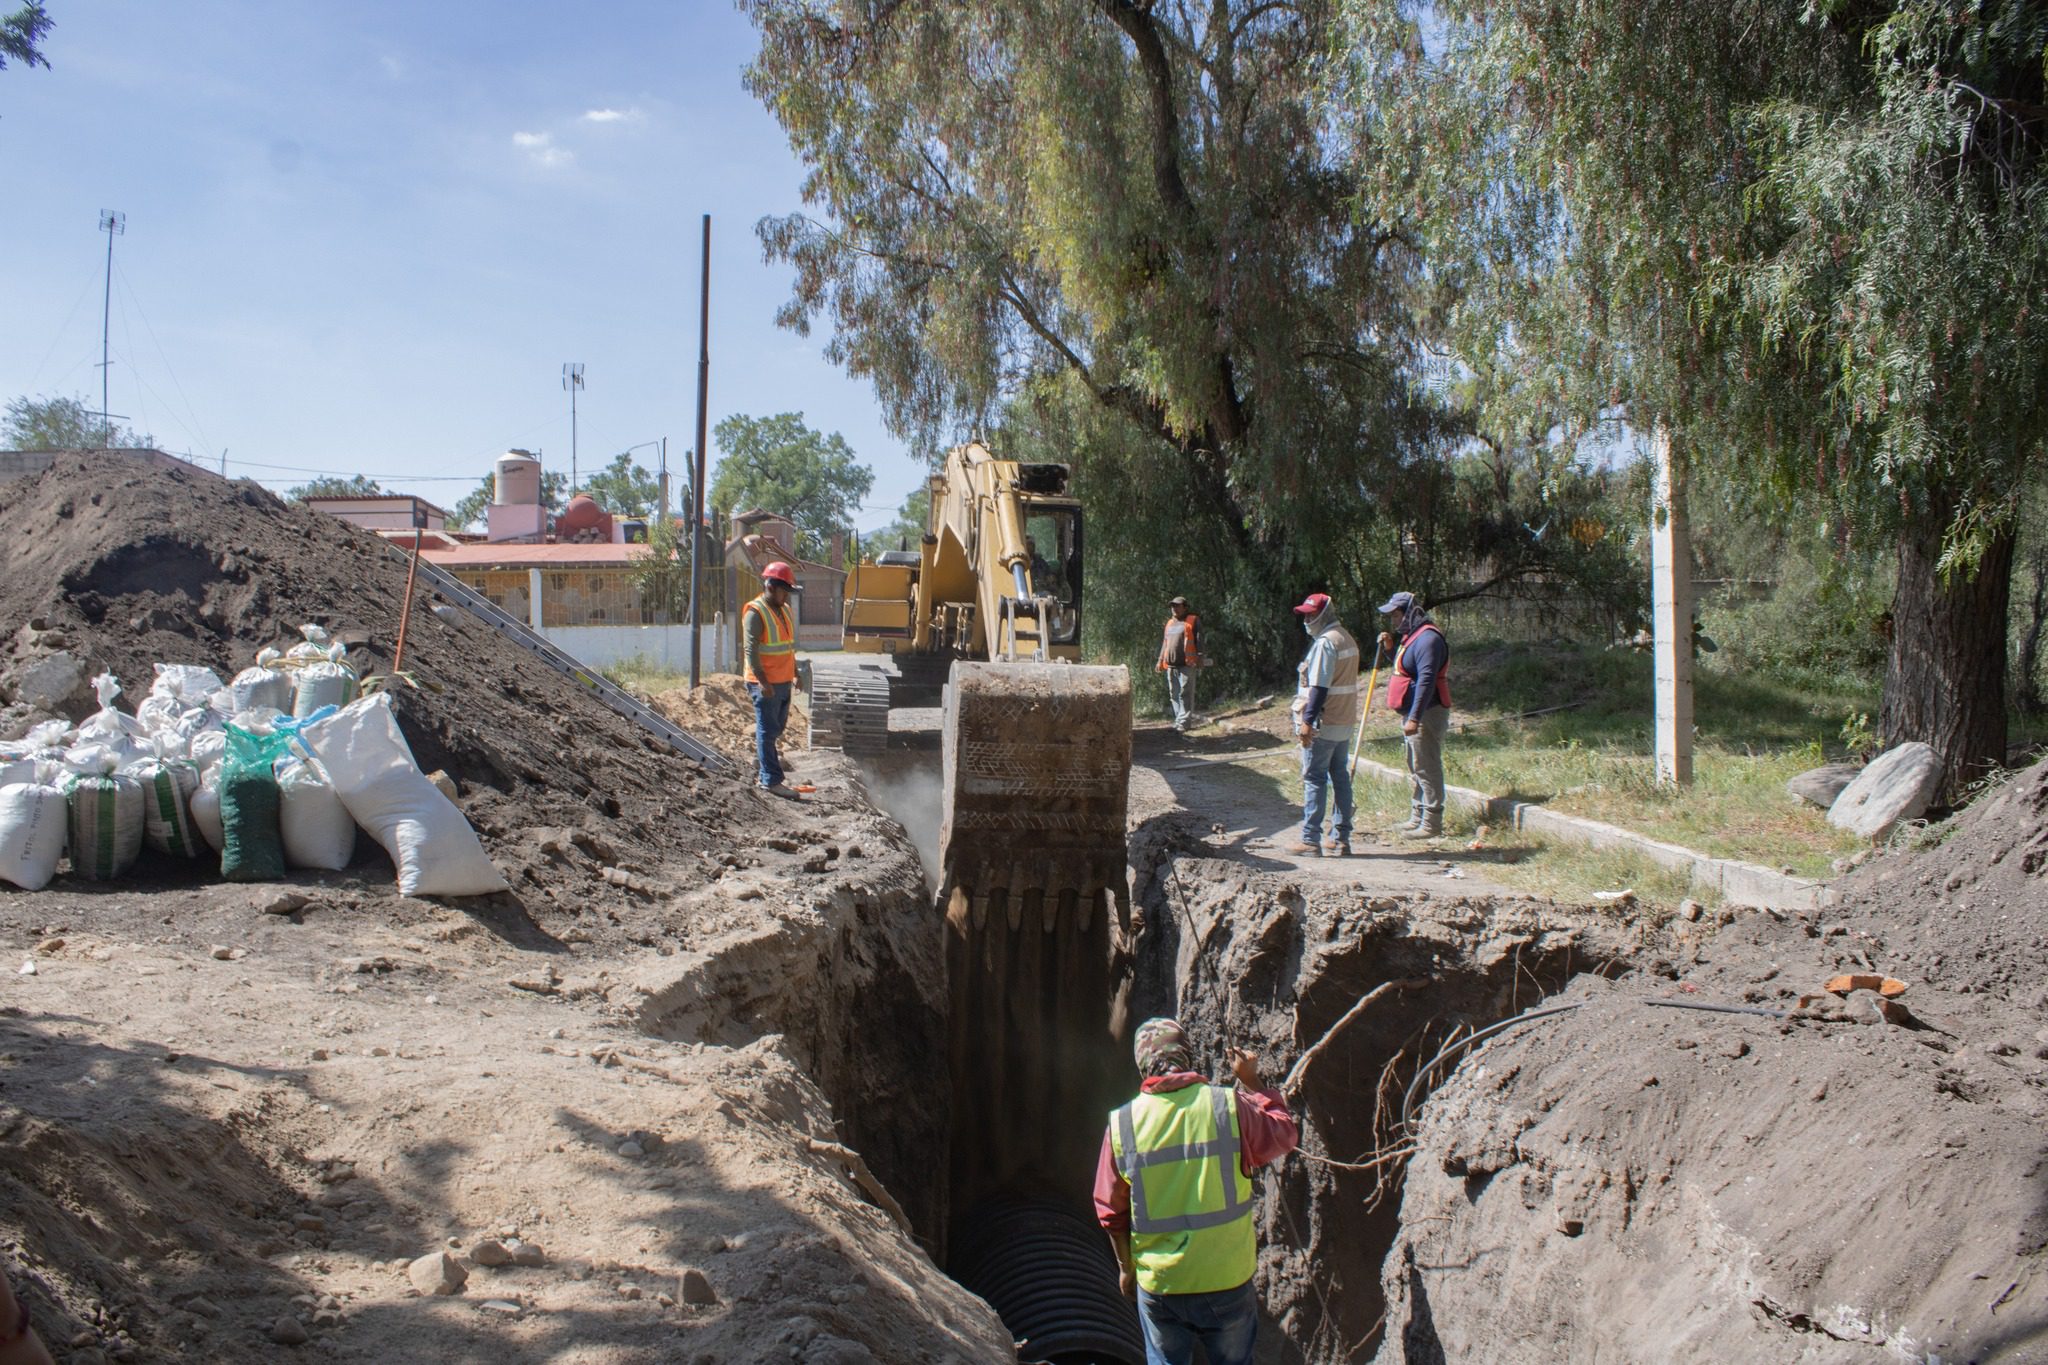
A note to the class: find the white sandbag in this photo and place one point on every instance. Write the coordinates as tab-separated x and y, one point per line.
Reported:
372	770
42	741
33	815
206	812
112	728
314	648
263	685
206	749
106	821
168	784
318	830
324	682
192	684
13	770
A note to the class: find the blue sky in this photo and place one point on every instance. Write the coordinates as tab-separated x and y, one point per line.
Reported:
364	237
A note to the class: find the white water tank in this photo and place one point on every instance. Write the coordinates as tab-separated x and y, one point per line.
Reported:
518	480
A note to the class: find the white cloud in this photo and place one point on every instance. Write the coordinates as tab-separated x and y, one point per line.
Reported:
394	66
611	116
541	150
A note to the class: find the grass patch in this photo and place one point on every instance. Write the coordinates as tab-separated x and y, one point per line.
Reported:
645	679
1595	759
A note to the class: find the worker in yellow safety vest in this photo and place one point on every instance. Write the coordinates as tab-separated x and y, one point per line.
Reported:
1173	1189
768	630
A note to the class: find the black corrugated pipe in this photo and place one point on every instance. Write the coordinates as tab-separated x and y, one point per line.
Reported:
1049	1272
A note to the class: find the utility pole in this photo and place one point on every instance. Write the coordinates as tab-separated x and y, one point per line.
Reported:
113	222
1671	608
572	380
697	490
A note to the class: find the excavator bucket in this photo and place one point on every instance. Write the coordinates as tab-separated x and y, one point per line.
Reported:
1037	768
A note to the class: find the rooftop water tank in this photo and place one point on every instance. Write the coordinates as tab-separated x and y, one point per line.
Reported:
518	480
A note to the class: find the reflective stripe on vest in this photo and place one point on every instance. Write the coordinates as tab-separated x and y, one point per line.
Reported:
1181	1250
1340	704
1404	676
777	650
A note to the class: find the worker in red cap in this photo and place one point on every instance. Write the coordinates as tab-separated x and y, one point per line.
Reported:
1325	719
768	627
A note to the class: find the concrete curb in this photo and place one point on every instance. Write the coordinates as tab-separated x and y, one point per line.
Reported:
1738	882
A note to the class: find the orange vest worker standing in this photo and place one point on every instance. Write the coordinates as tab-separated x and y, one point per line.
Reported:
768	629
1180	654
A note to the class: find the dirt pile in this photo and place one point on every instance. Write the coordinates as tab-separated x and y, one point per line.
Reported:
1634	1182
677	1044
719	712
123	565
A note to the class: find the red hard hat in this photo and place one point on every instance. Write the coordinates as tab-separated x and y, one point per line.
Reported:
779	572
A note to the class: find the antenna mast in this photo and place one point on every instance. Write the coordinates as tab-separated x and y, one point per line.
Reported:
113	222
572	380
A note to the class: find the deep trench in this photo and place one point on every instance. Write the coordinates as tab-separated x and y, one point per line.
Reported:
1012	1072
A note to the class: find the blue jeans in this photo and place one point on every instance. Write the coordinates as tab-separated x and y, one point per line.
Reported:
771	714
1225	1322
1180	690
1324	761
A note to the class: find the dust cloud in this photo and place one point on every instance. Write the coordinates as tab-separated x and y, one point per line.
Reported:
910	787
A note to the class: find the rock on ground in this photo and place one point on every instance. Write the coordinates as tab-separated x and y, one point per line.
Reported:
1820	786
1897	786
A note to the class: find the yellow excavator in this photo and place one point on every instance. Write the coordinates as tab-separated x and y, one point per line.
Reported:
984	615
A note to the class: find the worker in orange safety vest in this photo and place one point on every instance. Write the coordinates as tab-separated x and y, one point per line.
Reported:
1180	654
768	632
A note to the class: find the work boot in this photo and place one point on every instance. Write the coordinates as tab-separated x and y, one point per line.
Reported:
1337	846
1302	850
1428	829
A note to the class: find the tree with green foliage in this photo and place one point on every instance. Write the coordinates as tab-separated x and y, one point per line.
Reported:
782	466
22	34
663	576
1813	242
335	486
623	488
907	530
468	515
1121	230
64	424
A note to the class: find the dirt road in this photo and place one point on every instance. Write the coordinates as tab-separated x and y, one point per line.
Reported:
1207	783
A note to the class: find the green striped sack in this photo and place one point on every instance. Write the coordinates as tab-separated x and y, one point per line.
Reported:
167	788
106	824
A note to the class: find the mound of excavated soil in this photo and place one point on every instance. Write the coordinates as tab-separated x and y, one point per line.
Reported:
718	711
1633	1182
127	565
222	1106
1971	912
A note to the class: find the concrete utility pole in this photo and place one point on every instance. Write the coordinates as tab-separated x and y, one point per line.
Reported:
1671	609
697	492
113	222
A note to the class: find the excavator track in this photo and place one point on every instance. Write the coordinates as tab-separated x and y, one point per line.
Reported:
849	707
